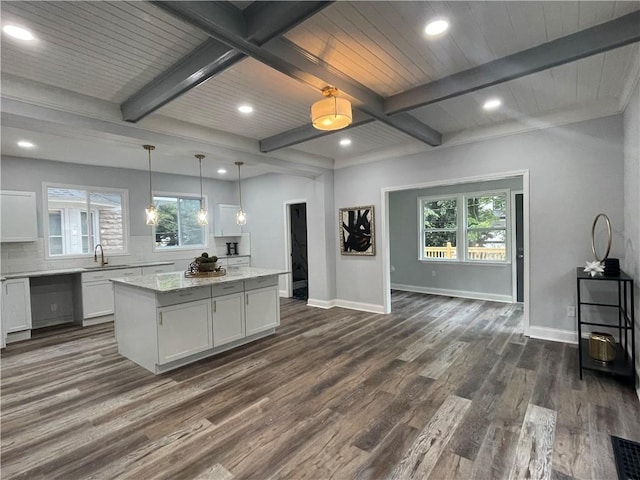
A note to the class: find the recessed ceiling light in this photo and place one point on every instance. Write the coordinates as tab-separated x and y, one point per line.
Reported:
492	104
436	27
18	32
345	141
222	171
25	144
245	108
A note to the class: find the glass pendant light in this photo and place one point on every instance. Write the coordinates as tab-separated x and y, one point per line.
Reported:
151	211
202	213
241	216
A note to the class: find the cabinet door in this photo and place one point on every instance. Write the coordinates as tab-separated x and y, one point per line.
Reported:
18	216
228	318
262	309
97	299
16	305
183	330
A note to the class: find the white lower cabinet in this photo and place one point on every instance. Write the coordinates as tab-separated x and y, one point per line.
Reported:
97	291
184	330
262	309
16	305
228	318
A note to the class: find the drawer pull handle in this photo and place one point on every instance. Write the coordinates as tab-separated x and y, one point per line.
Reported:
227	288
214	306
185	294
160	318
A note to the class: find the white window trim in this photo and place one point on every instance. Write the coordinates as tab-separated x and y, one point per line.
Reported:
462	252
124	193
421	230
186	248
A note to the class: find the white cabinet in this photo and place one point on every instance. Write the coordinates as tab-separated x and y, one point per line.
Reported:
239	261
224	221
16	305
97	291
228	318
18	217
183	330
262	309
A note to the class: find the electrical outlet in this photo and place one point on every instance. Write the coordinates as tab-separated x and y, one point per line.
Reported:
54	307
571	311
433	273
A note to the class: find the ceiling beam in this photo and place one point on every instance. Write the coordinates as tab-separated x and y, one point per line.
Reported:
258	24
591	41
307	132
287	58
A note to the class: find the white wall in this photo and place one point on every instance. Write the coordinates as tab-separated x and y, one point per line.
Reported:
632	202
407	272
28	174
576	171
264	200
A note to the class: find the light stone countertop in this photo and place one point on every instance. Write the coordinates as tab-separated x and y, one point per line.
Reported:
67	271
175	281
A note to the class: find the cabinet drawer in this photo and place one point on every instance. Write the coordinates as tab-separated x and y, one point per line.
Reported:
182	296
226	288
237	262
260	282
107	274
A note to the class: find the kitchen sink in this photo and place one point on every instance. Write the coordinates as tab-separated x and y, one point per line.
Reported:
106	267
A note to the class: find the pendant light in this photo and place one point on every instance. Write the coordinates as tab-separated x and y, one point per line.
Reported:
331	113
151	211
241	216
202	213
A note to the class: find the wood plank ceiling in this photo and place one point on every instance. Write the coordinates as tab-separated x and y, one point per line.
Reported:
110	50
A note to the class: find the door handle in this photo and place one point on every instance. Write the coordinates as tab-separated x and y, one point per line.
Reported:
520	256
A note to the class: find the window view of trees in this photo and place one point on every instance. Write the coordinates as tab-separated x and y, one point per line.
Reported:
177	222
481	222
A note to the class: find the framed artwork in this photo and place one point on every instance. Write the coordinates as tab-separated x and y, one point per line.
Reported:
356	231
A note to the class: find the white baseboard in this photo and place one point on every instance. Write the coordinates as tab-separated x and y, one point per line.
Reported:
284	293
314	302
490	297
553	334
363	307
87	322
18	336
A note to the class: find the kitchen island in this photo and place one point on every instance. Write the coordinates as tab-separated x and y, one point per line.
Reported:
167	320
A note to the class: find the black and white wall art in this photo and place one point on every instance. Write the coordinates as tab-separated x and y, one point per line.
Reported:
356	231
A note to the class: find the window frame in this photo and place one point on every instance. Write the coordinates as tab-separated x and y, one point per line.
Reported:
124	196
205	228
462	248
422	230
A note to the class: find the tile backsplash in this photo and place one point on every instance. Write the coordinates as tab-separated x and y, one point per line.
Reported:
30	256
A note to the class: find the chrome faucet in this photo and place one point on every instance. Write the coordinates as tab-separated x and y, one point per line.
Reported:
103	262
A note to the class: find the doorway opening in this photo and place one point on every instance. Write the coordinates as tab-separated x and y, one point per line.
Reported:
299	259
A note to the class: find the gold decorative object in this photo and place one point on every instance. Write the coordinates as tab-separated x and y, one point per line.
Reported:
593	237
602	347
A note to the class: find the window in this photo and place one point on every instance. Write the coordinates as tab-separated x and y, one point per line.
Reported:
177	222
465	227
440	228
82	217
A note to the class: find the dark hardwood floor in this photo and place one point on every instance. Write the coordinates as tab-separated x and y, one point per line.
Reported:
441	388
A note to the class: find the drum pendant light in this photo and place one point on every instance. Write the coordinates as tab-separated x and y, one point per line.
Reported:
331	113
151	211
202	213
241	216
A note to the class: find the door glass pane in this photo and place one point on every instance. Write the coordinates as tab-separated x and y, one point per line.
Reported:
55	246
55	223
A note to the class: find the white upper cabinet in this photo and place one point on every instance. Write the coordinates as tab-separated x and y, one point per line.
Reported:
18	220
224	221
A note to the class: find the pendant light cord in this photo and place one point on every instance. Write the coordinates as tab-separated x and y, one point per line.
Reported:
239	184
150	190
201	202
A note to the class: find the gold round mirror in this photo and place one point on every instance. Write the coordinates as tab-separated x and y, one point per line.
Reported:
593	237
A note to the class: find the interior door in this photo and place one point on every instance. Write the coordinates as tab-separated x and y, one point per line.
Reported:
519	222
299	265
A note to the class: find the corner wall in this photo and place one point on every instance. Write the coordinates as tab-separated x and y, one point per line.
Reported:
632	204
575	172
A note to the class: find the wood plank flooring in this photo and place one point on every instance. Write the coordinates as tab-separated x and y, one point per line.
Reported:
441	388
